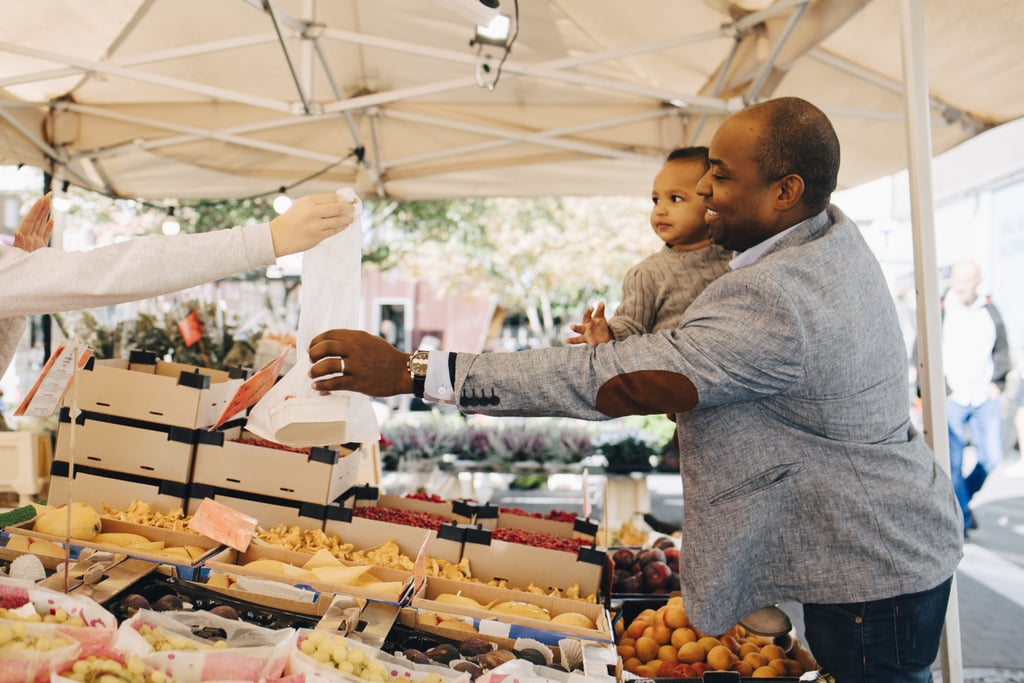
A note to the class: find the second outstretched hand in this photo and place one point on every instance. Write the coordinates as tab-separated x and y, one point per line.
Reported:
34	231
594	328
311	219
353	360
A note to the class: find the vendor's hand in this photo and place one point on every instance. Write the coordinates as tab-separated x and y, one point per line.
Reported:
367	364
34	231
594	328
310	219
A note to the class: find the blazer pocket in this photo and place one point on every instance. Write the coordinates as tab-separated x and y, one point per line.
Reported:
770	478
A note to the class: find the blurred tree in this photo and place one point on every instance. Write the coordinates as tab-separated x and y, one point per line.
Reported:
548	258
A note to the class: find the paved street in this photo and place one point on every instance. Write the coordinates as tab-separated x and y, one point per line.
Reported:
990	581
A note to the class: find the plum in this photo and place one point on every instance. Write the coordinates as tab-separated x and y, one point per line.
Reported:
168	602
226	611
133	602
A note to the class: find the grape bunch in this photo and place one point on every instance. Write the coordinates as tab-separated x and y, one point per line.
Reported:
59	616
162	640
105	670
334	651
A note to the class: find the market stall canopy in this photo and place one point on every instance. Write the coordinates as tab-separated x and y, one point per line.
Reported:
218	99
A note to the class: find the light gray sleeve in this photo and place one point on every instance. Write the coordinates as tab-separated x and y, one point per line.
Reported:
743	342
50	280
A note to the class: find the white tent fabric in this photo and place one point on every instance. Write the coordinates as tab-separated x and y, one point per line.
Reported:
229	98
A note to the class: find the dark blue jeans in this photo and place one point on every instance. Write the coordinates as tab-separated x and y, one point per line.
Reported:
894	640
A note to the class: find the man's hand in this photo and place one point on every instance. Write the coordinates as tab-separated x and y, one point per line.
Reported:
353	360
310	220
34	231
594	328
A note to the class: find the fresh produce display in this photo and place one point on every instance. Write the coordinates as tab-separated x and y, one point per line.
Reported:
518	608
114	669
663	642
539	539
423	520
472	655
141	512
652	571
83	523
333	651
553	515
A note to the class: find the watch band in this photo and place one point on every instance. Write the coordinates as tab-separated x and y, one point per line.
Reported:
419	383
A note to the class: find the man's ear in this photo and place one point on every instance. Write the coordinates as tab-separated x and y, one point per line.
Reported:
791	191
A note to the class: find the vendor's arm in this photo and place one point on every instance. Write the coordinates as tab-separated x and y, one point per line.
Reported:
736	353
50	280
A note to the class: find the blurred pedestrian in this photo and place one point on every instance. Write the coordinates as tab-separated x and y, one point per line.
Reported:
976	361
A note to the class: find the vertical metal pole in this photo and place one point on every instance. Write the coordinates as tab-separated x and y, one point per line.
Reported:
926	275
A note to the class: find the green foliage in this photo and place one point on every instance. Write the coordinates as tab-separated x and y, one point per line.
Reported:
217	348
207	216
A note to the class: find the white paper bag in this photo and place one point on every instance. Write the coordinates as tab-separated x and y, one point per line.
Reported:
292	412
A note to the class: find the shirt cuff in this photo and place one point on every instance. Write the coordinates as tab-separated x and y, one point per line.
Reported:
438	386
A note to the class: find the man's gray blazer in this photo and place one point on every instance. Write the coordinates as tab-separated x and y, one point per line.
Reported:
803	478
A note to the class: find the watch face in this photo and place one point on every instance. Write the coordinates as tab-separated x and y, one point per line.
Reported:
418	363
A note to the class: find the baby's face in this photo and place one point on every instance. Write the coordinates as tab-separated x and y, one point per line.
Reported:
677	211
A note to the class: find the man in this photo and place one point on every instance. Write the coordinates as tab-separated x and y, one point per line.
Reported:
803	477
976	361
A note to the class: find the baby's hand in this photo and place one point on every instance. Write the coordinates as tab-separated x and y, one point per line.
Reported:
594	328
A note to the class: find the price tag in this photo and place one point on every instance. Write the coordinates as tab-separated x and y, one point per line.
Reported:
53	382
253	389
223	524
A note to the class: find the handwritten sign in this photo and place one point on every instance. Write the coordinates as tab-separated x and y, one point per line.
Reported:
253	389
223	524
49	388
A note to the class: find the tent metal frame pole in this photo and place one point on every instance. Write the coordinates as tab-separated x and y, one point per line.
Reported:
926	274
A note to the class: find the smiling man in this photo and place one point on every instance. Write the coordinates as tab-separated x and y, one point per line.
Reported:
803	477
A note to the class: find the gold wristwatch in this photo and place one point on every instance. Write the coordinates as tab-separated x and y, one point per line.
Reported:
417	367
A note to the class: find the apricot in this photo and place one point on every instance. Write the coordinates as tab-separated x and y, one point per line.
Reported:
632	664
794	668
625	651
620	627
699	668
755	659
647	614
708	642
730	642
764	672
649	669
668	653
662	634
684	671
636	628
675	616
646	648
691	653
773	652
779	665
742	668
747	648
720	658
683	635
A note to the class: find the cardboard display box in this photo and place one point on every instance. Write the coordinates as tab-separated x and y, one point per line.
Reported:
232	562
143	388
459	511
267	510
443	544
318	477
117	489
200	547
523	565
492	517
116	444
512	626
